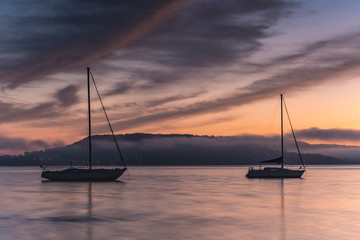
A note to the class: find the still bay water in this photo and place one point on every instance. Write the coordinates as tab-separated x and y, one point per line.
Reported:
182	203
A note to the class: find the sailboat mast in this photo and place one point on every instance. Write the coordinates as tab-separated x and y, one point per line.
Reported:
282	133
89	114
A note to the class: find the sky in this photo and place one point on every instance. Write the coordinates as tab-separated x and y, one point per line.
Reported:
205	67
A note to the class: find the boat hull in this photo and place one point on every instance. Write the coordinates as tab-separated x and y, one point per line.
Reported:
75	174
275	173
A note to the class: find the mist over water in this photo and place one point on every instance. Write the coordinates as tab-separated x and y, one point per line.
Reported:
182	203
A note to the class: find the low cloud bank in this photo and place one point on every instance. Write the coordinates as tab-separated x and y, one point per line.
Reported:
151	149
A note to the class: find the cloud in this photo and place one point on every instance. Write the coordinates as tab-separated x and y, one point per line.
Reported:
19	145
328	55
191	37
333	134
177	33
209	36
120	88
15	113
68	34
200	107
301	74
12	112
67	96
206	34
173	98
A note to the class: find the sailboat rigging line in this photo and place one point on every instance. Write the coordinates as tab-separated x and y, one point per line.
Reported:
89	113
107	118
266	143
293	133
282	133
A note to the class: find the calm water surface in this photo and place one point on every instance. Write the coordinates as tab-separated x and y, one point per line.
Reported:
182	203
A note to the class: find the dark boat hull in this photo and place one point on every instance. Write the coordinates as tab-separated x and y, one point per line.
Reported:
275	173
75	174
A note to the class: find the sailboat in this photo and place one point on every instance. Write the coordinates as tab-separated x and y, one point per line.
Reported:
279	172
90	173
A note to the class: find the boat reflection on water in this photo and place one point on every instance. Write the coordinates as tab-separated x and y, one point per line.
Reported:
89	213
282	215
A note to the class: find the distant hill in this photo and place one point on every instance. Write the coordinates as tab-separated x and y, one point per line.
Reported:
163	149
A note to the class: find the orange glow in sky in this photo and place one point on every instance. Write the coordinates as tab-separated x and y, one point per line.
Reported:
188	67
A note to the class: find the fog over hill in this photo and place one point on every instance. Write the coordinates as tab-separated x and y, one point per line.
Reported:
176	149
